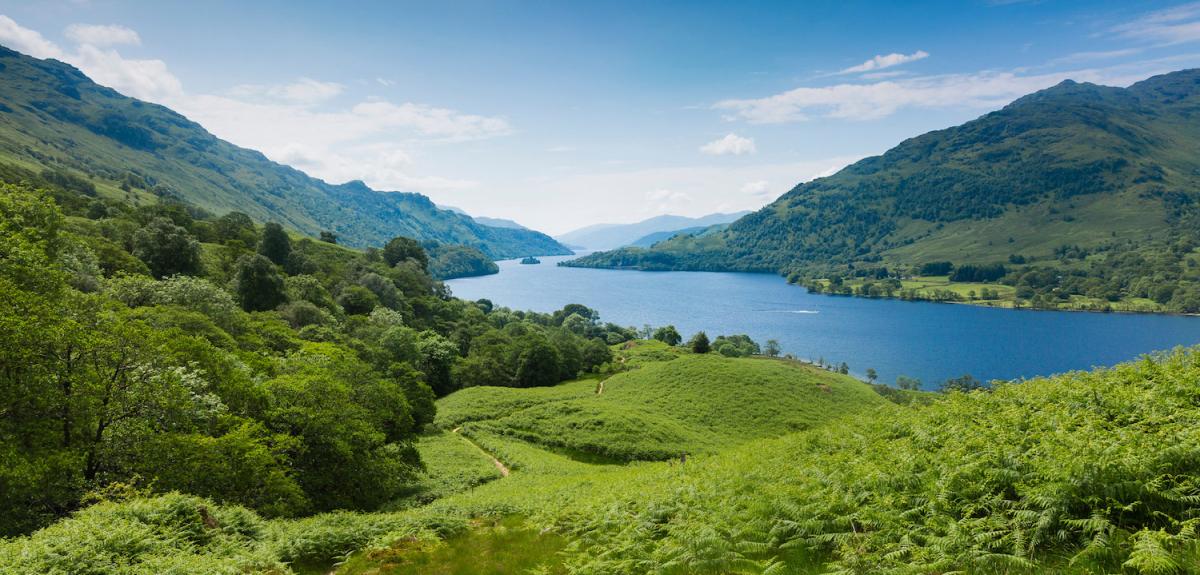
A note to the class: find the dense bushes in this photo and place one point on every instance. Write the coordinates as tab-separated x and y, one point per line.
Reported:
453	261
286	376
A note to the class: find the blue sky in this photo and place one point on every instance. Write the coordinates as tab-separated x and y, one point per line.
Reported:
563	114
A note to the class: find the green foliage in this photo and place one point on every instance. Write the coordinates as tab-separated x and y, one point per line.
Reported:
167	249
964	383
453	261
668	335
534	352
258	285
168	384
401	248
1055	475
275	244
699	343
350	424
739	345
358	300
908	383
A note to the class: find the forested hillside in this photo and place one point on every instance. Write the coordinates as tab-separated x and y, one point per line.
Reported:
58	128
1077	190
144	347
1076	474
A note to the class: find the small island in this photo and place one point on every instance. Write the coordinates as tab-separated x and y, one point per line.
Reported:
530	260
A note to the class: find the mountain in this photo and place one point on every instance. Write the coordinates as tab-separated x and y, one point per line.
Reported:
59	127
649	240
609	236
1101	183
499	223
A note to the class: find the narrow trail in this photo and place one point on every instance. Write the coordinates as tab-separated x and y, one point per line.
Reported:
504	471
600	388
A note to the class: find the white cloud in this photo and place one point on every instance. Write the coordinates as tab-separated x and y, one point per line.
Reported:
883	75
144	79
1177	25
756	188
432	121
663	201
148	80
304	91
1078	57
385	82
663	194
25	40
882	61
978	90
731	144
102	35
557	203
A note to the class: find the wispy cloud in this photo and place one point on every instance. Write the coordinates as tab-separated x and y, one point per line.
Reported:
731	144
977	90
1079	57
1176	25
759	189
885	75
882	61
25	40
102	35
304	91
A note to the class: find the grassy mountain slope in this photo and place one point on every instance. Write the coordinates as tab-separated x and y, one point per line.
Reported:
1104	170
1081	473
609	236
55	119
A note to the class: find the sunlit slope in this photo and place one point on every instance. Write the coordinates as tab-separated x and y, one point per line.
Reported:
1091	472
1077	164
691	404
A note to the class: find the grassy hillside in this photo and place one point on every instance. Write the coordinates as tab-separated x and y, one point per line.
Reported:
59	128
693	404
1091	182
1082	473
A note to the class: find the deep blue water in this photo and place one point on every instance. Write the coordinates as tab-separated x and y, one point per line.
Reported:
929	341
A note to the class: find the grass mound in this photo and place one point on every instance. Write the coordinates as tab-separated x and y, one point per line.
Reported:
692	404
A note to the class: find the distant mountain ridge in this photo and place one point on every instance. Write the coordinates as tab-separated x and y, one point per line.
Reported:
1069	171
650	239
54	118
499	223
609	236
